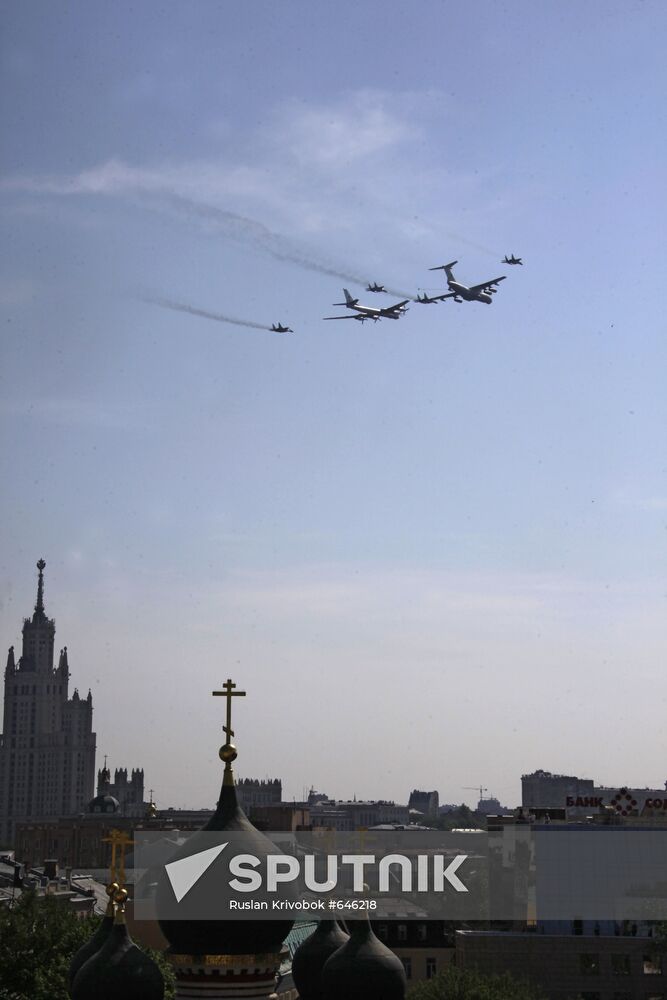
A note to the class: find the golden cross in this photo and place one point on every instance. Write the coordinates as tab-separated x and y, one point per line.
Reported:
118	839
228	692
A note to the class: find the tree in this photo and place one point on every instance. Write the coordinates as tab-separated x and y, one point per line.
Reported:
38	937
463	817
466	984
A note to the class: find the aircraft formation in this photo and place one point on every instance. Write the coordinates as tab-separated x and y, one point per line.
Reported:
481	292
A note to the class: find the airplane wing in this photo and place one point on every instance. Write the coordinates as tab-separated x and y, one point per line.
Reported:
360	316
396	307
440	298
486	284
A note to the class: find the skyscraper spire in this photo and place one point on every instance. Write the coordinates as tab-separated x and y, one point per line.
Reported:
11	663
39	604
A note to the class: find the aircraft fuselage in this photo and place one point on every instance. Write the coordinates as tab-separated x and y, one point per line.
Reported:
464	292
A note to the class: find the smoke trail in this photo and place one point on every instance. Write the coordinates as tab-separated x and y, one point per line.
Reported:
255	234
193	311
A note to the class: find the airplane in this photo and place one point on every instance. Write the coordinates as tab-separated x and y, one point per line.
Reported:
375	287
386	312
428	299
474	293
279	328
511	260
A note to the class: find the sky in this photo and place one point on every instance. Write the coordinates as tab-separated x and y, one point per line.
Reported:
432	551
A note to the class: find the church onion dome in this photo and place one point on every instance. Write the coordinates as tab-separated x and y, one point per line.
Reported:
97	939
309	958
103	804
193	936
119	969
363	969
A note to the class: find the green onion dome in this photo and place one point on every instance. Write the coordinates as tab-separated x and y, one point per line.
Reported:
309	958
193	936
119	970
363	969
97	939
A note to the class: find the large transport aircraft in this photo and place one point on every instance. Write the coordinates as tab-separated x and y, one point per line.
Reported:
370	312
472	293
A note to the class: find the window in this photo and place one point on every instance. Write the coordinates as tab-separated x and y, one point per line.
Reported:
589	965
431	968
589	996
652	965
402	932
620	965
407	965
421	932
383	931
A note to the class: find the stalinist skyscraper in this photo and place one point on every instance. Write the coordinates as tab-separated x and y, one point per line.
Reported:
47	746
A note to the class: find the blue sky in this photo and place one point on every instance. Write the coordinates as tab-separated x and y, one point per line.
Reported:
413	543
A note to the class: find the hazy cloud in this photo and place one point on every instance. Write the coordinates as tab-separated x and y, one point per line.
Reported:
73	411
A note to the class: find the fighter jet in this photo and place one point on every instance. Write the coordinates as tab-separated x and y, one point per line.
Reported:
375	287
428	299
279	328
386	312
511	260
474	293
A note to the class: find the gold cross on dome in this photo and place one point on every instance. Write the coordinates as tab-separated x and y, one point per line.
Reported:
118	839
228	692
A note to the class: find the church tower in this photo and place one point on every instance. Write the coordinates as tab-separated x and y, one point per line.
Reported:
47	747
223	959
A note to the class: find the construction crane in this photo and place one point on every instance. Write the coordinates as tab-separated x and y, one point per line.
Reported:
476	788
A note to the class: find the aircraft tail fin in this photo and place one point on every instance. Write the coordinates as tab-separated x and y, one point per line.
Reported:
444	267
349	301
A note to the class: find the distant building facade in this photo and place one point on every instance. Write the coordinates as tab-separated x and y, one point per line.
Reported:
580	797
427	803
128	792
425	948
47	746
544	790
280	816
82	842
357	815
255	792
620	963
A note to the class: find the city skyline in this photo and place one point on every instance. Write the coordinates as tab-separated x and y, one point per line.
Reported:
431	550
